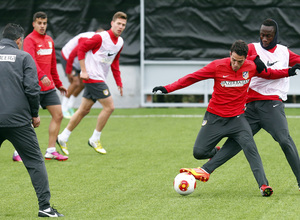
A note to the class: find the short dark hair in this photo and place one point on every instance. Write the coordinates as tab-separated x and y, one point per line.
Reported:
270	22
119	14
39	14
13	31
240	48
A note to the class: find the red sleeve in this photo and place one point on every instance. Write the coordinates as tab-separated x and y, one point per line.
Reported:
29	46
70	61
93	44
252	57
54	72
294	58
274	73
205	73
116	70
251	50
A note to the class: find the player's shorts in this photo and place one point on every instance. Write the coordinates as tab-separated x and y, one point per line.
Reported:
76	72
95	91
49	98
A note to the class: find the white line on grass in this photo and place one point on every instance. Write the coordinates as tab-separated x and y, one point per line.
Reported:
157	116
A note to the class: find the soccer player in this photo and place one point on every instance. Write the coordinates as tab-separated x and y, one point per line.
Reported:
265	108
72	68
19	89
225	113
95	56
41	47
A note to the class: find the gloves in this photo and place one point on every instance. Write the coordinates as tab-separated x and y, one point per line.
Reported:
260	66
159	88
294	70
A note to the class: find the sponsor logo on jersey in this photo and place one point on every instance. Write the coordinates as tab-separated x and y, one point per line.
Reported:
2	47
271	64
246	74
44	52
7	58
238	83
105	92
110	54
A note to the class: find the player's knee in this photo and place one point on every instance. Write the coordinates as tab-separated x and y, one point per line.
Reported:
199	154
58	117
84	112
110	109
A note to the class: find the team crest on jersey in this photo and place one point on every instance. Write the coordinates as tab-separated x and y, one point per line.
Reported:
105	92
50	44
204	122
246	74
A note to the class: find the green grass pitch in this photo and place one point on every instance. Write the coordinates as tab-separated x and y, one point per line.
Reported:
145	149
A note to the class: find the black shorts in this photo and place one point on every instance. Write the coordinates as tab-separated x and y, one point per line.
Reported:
76	72
95	91
50	98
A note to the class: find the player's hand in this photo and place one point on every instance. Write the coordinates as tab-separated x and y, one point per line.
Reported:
260	66
159	88
63	90
36	121
121	90
46	81
295	70
84	75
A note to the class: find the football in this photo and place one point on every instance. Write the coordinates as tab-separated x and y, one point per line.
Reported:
184	183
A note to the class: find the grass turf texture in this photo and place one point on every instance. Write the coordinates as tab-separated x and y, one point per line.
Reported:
135	179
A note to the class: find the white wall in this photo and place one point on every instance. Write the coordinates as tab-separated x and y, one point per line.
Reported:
156	74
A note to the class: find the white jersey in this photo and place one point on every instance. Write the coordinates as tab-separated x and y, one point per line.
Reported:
98	63
67	49
277	60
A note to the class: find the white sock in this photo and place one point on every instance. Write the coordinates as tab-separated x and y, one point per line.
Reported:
71	102
51	150
64	104
16	153
96	135
204	170
64	136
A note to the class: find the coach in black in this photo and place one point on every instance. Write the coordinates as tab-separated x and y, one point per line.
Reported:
19	101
